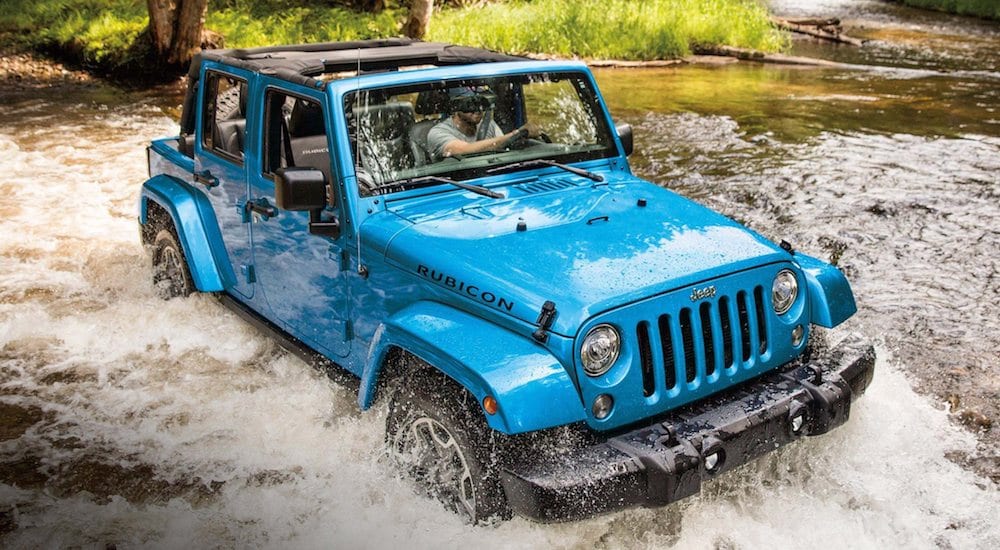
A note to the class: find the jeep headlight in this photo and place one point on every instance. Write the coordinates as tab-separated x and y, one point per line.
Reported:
784	290
600	349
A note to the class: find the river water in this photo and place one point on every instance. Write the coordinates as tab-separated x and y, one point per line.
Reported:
128	421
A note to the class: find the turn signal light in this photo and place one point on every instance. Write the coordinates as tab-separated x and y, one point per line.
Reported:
490	405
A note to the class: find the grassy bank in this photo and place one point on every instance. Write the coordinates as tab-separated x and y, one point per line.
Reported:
107	34
94	31
989	9
611	29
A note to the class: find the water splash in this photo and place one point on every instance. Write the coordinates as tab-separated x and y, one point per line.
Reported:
130	421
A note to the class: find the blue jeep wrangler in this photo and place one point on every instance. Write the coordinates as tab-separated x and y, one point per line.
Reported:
458	232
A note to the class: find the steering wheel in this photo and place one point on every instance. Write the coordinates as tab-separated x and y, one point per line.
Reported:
518	140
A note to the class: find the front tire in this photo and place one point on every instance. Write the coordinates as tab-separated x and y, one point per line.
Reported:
436	433
171	277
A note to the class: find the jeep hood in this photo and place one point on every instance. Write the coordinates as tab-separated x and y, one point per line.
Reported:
587	249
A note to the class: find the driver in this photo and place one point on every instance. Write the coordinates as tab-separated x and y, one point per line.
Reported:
467	131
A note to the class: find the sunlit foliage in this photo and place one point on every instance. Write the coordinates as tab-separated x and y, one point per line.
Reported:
108	34
619	29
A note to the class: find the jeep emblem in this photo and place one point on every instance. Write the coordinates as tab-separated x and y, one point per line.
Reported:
702	293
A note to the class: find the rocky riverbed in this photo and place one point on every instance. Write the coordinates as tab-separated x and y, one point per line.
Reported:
21	70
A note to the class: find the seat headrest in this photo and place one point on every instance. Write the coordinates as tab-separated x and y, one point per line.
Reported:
432	102
306	119
386	121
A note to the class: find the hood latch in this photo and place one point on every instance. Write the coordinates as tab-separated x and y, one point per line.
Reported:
545	318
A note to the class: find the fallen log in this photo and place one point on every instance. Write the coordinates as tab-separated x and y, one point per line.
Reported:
828	22
743	54
826	29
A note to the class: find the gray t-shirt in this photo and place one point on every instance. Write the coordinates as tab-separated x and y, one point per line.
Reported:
445	131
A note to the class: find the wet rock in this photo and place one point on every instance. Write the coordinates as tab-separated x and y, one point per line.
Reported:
975	420
60	377
24	71
23	473
138	483
881	210
923	208
8	520
967	416
986	464
14	420
953	401
834	247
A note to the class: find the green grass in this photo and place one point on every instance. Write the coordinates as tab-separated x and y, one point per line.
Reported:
98	33
989	9
106	34
610	29
263	24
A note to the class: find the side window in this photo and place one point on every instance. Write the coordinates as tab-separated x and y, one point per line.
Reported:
224	116
295	134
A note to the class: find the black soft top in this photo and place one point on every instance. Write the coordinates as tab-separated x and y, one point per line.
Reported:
303	63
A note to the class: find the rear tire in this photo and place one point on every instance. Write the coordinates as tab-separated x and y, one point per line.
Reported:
437	435
171	277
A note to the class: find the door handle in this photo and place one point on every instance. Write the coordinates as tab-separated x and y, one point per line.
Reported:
206	178
261	206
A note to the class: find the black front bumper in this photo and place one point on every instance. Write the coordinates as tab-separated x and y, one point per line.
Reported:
666	461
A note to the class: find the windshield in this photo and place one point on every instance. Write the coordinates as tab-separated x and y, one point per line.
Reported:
464	128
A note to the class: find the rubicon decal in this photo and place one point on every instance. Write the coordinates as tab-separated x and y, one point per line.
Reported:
462	287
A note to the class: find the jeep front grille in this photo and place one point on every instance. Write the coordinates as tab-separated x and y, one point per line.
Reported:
694	343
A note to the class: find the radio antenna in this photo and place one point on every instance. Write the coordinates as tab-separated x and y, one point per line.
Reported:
362	270
357	117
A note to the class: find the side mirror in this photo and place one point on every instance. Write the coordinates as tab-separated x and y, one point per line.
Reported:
299	188
304	189
625	135
185	145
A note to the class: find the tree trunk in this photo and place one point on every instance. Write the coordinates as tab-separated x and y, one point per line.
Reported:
161	25
420	18
175	28
187	31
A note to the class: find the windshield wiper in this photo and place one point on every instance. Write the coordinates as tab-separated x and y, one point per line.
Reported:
424	181
546	162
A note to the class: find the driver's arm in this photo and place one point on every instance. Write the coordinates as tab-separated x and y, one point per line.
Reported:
459	147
